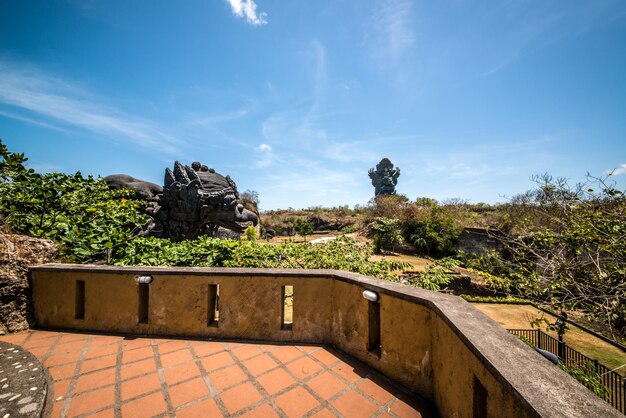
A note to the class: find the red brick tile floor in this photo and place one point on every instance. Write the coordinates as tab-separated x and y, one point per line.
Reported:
122	376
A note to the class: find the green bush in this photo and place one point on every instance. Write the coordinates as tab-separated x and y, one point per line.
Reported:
435	233
88	221
343	253
387	233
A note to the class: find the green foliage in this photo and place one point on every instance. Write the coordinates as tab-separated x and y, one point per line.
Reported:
349	229
435	233
303	228
342	254
588	375
436	275
88	221
496	299
387	233
572	251
250	233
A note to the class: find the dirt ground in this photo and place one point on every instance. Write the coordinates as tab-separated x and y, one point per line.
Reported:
519	316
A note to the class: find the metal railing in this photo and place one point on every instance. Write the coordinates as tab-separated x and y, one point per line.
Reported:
613	381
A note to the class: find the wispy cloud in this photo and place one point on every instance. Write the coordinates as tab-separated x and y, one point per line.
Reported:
618	171
61	101
265	157
392	24
247	9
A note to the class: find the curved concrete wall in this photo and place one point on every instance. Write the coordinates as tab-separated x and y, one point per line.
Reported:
436	345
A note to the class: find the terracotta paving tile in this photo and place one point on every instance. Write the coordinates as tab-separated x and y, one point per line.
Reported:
176	357
326	385
224	378
324	413
304	367
60	388
275	381
207	408
39	352
287	353
95	380
92	401
101	350
407	408
354	405
260	364
206	349
240	397
137	354
14	338
246	351
57	407
381	392
296	402
101	340
188	391
146	406
308	348
129	343
140	385
62	372
181	372
98	363
138	368
268	347
216	361
62	358
69	347
166	346
263	411
107	413
326	356
349	372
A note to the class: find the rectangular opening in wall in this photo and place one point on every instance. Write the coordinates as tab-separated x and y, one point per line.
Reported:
79	306
373	315
480	399
143	293
287	311
213	306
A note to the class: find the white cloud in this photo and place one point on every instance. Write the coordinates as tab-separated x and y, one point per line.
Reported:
247	10
618	171
265	148
392	23
61	101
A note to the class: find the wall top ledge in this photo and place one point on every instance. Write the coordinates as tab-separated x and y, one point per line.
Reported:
543	387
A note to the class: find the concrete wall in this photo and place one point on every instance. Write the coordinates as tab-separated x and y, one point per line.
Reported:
437	345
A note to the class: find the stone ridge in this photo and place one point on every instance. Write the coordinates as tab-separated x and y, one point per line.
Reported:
17	253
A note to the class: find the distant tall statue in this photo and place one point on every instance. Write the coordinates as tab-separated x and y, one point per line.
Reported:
384	178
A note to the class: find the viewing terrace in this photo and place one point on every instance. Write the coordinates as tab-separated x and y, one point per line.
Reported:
155	341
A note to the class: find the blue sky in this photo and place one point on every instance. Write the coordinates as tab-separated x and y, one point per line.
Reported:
298	99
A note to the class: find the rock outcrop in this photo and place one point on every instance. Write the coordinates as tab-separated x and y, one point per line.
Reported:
17	253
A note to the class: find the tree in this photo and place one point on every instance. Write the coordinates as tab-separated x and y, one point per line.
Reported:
387	233
303	228
571	248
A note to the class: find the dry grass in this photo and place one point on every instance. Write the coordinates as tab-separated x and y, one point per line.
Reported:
519	316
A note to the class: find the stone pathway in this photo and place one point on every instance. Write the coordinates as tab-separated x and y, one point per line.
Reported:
23	385
122	376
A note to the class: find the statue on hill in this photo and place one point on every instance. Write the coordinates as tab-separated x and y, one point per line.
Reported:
384	178
193	201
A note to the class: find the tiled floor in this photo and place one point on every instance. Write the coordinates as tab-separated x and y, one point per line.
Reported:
113	376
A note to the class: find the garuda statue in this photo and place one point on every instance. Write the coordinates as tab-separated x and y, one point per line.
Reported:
384	178
193	201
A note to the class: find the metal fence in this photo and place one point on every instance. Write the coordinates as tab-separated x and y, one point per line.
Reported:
615	383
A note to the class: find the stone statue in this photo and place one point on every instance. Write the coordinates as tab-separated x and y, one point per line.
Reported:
384	178
193	201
